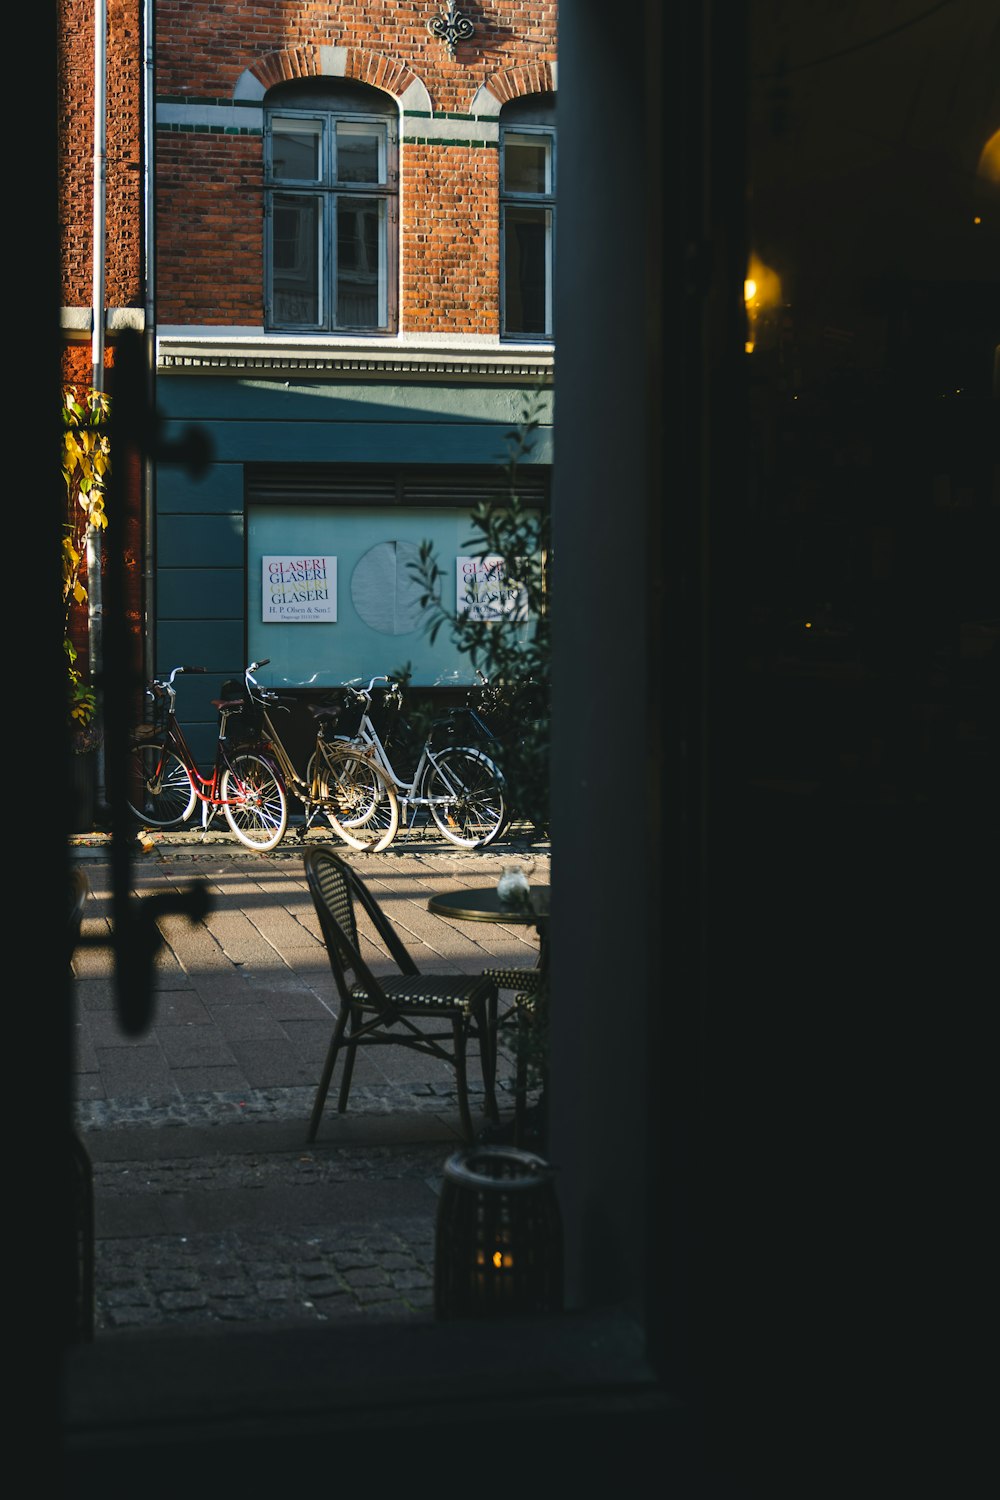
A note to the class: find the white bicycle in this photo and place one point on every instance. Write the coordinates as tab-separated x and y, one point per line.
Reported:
455	781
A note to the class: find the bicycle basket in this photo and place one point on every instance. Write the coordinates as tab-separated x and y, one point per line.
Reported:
157	716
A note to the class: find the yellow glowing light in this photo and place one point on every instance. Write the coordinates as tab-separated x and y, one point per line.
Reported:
497	1259
977	219
989	159
762	285
809	624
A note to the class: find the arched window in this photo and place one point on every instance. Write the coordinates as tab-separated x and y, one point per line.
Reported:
330	207
527	216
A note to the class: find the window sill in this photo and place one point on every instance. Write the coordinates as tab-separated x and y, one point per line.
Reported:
243	1398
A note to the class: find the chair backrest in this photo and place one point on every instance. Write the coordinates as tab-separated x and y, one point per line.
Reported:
334	888
329	879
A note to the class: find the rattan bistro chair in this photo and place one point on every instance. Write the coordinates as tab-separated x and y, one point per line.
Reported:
388	1010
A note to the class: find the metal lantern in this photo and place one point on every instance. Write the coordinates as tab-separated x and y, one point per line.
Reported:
499	1250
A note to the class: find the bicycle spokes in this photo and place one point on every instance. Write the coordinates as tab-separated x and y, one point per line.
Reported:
254	801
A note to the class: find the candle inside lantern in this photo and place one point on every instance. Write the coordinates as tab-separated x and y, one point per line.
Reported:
497	1210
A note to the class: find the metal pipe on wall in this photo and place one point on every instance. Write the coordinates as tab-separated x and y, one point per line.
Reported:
100	180
95	605
149	283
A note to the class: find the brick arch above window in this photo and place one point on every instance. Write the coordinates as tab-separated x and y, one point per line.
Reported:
514	83
356	63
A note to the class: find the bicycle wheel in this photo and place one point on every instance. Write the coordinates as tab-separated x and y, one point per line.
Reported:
256	807
358	799
160	791
475	812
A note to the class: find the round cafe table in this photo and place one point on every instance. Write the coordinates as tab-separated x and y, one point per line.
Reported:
483	904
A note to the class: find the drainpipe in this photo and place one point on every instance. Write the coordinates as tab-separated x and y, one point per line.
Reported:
95	607
149	325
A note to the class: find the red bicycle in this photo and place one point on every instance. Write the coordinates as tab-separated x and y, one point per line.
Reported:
165	784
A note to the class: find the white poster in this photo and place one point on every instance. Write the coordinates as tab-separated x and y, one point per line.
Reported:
483	593
299	590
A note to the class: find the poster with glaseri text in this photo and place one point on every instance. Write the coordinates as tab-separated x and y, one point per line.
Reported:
298	590
483	593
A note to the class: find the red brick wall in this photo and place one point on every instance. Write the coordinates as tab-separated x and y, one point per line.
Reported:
209	229
209	233
123	153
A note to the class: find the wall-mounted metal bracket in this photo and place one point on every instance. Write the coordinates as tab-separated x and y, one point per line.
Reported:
451	27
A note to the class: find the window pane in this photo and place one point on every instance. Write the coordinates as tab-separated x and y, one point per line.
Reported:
360	152
526	270
361	260
296	259
295	150
526	161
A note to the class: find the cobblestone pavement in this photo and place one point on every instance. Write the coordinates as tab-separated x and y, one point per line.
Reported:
280	1265
262	1230
210	1208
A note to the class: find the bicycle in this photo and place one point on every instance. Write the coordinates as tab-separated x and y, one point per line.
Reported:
341	782
456	782
166	785
515	712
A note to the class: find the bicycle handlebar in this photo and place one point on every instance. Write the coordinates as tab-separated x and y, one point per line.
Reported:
166	684
266	695
364	695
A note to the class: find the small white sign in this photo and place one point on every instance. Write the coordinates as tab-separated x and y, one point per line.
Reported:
298	590
483	593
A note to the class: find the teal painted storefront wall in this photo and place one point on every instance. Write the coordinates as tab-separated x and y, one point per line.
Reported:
197	399
360	443
206	542
220	491
218	590
200	542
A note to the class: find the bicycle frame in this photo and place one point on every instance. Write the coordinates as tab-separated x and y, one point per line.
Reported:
206	788
245	786
267	740
408	792
307	791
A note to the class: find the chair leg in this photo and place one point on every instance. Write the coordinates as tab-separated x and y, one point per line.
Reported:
461	1080
347	1074
487	1026
325	1077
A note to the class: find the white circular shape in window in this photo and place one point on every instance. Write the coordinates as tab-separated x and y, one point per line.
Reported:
384	591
